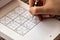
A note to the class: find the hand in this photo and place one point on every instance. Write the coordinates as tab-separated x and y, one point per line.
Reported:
51	7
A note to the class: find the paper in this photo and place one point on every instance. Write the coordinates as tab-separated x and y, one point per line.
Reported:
4	37
21	21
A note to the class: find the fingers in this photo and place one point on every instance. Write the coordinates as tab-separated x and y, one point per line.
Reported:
31	3
39	18
38	10
41	12
43	17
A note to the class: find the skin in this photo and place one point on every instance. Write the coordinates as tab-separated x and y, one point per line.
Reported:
51	7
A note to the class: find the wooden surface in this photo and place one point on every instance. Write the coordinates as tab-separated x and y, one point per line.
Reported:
7	8
58	37
26	1
1	38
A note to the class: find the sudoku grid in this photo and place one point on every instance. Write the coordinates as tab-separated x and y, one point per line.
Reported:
19	20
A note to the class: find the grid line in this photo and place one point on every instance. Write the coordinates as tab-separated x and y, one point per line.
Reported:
20	22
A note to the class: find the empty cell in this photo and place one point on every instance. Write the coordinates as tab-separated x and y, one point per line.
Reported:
5	20
34	20
29	24
27	15
19	10
22	30
13	25
12	15
20	20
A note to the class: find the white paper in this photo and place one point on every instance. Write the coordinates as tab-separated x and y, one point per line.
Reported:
19	22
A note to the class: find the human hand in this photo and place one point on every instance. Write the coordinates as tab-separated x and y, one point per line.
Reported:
50	7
